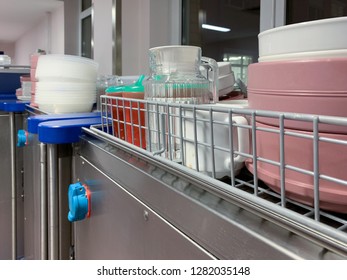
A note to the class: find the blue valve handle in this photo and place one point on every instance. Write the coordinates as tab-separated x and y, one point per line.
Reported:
22	138
79	202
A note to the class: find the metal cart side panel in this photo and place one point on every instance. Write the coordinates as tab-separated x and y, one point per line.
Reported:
122	227
5	189
32	237
225	229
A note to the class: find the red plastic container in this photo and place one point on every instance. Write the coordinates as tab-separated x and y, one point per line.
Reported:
117	115
129	116
135	119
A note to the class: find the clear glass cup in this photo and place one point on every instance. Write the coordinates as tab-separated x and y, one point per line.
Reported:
176	77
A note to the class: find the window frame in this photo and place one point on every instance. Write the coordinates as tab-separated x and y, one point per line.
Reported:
89	12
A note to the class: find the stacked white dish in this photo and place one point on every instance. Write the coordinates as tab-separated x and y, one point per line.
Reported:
226	78
306	40
65	84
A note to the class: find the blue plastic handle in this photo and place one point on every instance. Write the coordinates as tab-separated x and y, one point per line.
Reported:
34	121
78	202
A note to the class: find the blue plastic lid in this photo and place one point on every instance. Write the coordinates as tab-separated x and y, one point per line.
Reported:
8	95
34	121
64	131
16	106
10	79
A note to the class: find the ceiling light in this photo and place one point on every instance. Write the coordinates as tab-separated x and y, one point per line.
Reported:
215	28
234	58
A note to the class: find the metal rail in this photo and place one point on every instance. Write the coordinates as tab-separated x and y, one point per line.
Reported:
43	202
13	186
53	220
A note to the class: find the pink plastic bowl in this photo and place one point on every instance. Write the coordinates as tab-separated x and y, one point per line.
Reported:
299	153
32	74
34	59
316	87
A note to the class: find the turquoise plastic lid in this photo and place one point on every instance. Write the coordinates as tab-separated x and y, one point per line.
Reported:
136	87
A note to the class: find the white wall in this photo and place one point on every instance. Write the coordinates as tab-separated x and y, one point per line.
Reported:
102	32
57	31
35	38
103	35
135	36
159	23
48	35
147	24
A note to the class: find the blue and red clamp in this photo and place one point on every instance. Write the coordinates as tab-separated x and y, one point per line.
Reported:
79	202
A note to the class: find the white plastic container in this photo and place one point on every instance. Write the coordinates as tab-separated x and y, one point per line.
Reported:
66	68
66	108
221	139
5	59
26	88
319	38
226	78
59	100
61	87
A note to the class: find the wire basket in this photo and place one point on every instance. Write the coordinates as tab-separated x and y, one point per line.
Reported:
303	171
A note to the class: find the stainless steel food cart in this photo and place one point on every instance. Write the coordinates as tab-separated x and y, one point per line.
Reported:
47	155
145	206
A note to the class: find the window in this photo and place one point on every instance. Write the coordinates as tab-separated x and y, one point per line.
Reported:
86	4
239	65
306	10
86	42
237	43
86	20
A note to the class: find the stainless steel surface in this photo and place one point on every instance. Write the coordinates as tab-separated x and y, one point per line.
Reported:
37	169
64	180
35	237
15	69
117	37
43	202
40	170
219	223
35	194
240	207
123	227
92	16
53	218
13	186
11	227
5	190
183	114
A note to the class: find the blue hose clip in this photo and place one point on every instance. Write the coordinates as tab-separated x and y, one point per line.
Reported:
79	202
22	138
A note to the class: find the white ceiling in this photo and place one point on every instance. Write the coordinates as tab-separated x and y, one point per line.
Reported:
18	16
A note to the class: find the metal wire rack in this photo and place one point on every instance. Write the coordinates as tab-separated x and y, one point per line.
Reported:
258	152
